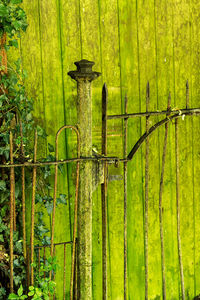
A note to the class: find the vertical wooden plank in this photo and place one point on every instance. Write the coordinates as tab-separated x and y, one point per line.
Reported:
70	51
194	92
130	83
31	58
31	62
182	58
148	72
165	84
111	75
54	108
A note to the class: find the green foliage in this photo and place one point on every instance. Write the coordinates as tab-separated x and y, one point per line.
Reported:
43	287
16	115
12	20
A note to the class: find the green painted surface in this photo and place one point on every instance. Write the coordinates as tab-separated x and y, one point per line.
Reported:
131	42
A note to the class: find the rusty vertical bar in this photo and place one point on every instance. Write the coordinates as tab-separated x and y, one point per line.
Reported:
75	216
76	276
178	208
54	199
64	273
84	76
11	211
125	199
33	208
146	229
23	195
187	94
75	204
104	190
14	204
3	54
54	273
28	266
161	204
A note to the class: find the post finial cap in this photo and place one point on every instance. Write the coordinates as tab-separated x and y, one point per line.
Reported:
84	71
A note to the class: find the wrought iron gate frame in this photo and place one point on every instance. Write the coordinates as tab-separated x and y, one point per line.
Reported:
170	114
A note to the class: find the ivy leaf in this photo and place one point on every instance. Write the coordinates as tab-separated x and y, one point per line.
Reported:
17	24
61	168
1	238
62	199
17	280
18	247
13	296
2	185
41	132
20	291
38	198
49	207
13	43
29	117
2	291
42	230
50	147
31	293
46	240
3	10
17	189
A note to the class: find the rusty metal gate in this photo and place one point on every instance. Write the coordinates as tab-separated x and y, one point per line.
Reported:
83	75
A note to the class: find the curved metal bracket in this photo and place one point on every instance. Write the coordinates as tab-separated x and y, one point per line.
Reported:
154	127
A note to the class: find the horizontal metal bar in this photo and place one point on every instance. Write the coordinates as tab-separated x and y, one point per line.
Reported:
111	160
153	113
55	244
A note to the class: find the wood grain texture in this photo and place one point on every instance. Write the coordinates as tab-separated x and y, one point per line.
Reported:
131	42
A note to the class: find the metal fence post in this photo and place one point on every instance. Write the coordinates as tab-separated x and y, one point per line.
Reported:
84	76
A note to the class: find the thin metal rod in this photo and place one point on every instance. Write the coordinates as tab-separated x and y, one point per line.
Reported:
125	199
11	211
152	113
161	204
146	228
178	209
55	244
28	266
110	160
104	191
75	213
33	209
76	274
54	273
3	53
187	95
14	204
76	201
64	273
23	195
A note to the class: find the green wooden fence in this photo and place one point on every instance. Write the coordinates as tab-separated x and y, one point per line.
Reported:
131	42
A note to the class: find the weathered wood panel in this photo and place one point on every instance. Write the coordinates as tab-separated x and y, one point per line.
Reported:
131	42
